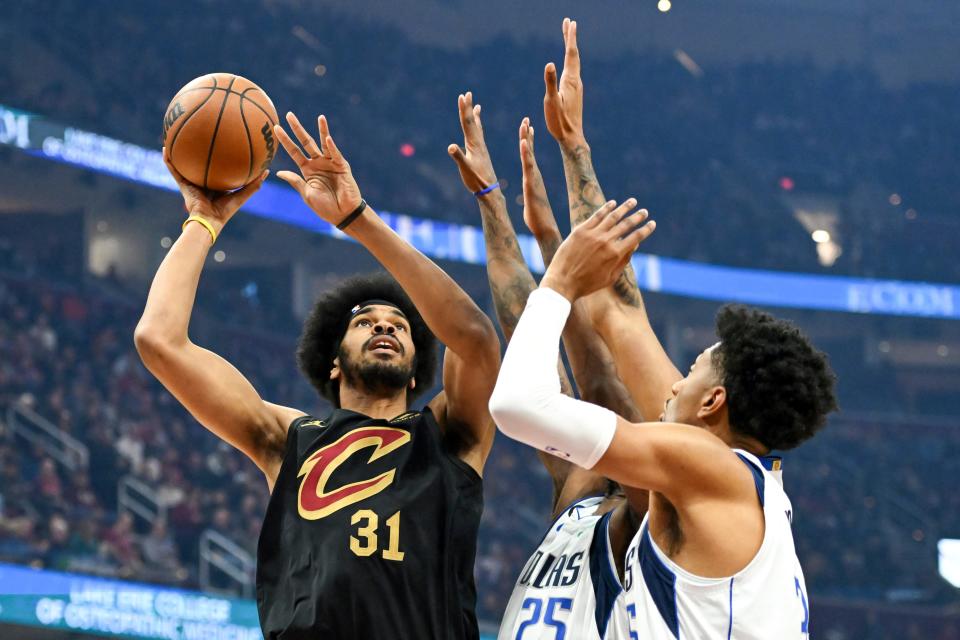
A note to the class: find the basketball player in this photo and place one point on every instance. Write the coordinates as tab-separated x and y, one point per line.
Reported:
570	585
714	557
371	527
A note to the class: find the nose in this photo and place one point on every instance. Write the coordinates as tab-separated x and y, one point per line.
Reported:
675	389
384	327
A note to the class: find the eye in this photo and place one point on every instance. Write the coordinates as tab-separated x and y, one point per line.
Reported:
364	323
400	327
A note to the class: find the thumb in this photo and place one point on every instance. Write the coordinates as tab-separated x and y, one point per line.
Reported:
457	154
550	81
293	180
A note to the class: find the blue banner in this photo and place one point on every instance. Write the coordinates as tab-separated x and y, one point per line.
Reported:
105	607
464	243
113	608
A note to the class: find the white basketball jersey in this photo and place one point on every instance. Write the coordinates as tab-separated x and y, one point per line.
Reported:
765	600
569	589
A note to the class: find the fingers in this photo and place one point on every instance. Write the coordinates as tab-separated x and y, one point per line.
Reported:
469	117
293	179
236	199
527	159
173	170
639	234
571	60
324	127
309	144
599	215
333	151
617	215
289	146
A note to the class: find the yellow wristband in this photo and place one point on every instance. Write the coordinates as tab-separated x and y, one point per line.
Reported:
206	225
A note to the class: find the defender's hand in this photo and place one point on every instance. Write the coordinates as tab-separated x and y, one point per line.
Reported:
537	213
596	251
216	207
326	184
476	168
563	105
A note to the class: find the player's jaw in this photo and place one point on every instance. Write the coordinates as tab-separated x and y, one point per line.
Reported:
380	364
692	398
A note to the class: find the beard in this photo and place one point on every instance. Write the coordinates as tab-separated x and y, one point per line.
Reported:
376	377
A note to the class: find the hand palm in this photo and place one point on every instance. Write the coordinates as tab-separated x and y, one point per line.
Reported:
473	161
325	182
563	101
330	187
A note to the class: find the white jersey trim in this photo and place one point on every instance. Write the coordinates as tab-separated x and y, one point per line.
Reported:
702	582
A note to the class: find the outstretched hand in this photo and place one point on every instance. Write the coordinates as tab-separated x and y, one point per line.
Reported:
537	212
473	161
563	103
216	207
596	252
325	181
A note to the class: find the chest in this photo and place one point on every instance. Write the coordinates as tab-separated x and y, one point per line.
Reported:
332	467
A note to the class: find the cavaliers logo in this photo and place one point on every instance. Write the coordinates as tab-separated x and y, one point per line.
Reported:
315	500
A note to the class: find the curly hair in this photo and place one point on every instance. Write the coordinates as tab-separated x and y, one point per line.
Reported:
780	388
327	323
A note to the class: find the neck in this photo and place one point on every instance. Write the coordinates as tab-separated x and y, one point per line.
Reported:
382	407
752	445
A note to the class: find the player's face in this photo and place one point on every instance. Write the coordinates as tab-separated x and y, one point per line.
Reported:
690	394
377	351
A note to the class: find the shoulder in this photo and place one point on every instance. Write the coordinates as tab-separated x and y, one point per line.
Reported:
274	439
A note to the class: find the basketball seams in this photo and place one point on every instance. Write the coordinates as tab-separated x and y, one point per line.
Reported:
173	141
242	97
216	128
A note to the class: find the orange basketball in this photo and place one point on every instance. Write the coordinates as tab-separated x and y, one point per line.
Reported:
219	131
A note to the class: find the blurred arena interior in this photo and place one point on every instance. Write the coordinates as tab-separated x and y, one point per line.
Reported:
779	139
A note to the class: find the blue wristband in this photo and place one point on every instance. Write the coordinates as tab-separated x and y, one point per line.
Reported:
483	192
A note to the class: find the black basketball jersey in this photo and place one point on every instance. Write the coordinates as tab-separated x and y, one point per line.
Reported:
371	532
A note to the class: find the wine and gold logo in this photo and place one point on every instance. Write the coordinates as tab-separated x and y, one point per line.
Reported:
316	500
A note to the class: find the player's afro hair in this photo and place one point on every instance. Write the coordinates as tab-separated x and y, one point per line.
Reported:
779	387
327	323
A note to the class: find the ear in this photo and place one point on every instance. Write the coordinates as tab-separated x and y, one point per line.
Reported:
413	384
335	370
713	402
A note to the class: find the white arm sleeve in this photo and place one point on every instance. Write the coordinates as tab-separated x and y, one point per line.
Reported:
527	403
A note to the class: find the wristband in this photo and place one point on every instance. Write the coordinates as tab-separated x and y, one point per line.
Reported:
486	190
206	225
353	215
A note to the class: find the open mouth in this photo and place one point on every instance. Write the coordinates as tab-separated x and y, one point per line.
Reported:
384	344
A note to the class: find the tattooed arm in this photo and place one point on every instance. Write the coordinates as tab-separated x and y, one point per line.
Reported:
618	313
510	279
590	360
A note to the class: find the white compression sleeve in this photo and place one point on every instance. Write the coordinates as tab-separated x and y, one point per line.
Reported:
527	403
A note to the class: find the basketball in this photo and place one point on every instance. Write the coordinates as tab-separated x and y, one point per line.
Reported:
218	130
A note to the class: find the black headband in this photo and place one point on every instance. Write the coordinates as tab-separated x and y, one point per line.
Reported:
367	303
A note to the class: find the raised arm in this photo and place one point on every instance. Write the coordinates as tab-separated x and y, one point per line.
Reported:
510	279
472	358
590	360
700	476
210	388
618	312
